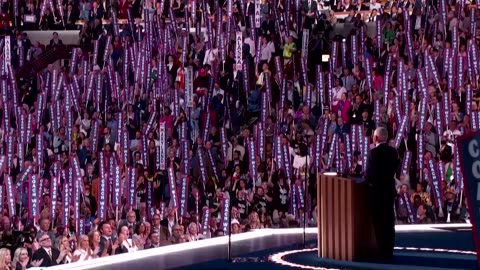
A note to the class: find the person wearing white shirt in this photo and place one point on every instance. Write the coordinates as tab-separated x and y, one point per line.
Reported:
210	56
217	90
192	233
373	15
249	41
237	147
375	5
337	92
452	133
127	242
267	50
261	77
83	250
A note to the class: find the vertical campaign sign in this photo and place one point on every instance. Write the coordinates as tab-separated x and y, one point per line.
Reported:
305	39
189	86
7	52
238	50
163	142
258	17
469	153
229	8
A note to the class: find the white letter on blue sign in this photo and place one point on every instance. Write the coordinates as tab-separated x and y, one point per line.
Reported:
476	169
473	149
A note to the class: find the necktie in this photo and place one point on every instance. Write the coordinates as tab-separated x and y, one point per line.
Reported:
50	253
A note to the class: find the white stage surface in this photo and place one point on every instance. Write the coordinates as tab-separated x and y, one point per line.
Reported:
217	248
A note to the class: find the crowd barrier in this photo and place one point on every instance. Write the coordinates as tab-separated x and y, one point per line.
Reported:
72	36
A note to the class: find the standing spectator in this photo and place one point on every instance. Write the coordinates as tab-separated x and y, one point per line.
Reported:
106	246
84	10
70	18
55	41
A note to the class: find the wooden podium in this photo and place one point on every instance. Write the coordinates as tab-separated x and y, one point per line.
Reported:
344	227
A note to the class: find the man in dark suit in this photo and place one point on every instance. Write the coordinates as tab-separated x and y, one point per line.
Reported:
167	225
234	162
48	254
381	165
130	221
154	240
96	12
106	243
106	8
106	138
310	11
70	17
44	224
55	41
249	11
438	60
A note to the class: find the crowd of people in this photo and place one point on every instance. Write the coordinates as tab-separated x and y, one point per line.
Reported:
160	136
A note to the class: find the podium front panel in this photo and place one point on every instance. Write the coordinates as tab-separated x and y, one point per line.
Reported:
336	224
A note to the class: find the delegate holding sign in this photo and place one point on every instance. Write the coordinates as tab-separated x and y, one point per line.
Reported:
469	153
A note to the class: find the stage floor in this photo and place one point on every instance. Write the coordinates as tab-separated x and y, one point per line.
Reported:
448	248
425	247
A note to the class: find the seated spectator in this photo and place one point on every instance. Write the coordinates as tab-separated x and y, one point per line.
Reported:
34	52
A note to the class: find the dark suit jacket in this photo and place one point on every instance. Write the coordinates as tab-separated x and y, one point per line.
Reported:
121	249
99	14
382	164
106	8
251	9
439	65
70	20
47	261
52	42
231	166
413	19
151	246
103	142
313	6
103	245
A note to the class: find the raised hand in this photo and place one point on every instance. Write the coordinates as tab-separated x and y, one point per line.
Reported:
76	258
36	263
115	245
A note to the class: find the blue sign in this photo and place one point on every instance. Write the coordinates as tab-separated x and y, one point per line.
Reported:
469	154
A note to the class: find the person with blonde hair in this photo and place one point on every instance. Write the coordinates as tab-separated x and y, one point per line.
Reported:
254	221
5	259
62	244
83	250
20	260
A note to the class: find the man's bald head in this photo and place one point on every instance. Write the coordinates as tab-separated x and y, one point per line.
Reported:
380	135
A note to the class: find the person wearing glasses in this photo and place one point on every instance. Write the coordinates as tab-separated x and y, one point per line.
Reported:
49	255
21	260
